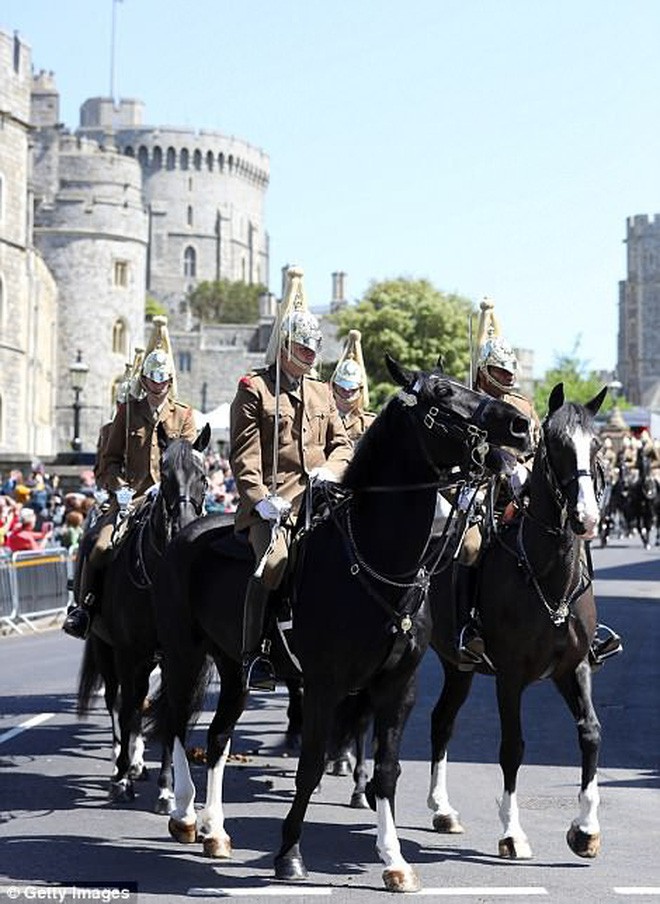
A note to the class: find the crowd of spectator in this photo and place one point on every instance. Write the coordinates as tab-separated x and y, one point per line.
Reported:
34	513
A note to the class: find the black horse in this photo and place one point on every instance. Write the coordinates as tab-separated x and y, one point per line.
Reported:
359	602
643	499
538	615
119	650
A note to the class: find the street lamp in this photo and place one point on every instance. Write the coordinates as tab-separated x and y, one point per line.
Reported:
78	374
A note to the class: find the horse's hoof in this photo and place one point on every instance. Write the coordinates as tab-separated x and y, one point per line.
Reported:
514	849
121	792
290	868
139	773
184	833
342	766
164	806
359	801
401	879
583	844
447	824
218	848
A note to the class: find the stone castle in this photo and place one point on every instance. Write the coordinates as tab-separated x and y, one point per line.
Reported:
91	223
638	364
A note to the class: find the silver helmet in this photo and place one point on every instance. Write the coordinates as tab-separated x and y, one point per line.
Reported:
301	328
158	366
496	352
348	375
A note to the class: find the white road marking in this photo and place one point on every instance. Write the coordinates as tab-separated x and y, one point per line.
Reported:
484	890
271	891
35	720
637	890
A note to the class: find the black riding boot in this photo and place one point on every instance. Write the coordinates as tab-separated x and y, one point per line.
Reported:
470	647
258	671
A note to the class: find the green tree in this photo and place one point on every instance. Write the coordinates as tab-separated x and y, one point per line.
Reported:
580	384
413	321
153	307
225	301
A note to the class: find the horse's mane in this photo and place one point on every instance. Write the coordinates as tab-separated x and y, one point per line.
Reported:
372	447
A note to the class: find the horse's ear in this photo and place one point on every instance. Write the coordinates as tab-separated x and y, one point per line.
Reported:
440	364
163	438
556	399
399	374
203	439
597	401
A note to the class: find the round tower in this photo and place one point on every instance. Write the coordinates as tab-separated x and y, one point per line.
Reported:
93	235
205	195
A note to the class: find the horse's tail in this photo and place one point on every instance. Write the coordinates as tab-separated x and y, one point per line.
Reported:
96	670
177	704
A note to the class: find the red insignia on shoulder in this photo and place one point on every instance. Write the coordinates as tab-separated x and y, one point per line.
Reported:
245	381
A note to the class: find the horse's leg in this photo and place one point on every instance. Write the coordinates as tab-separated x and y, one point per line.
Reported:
391	711
165	800
583	836
513	843
230	706
360	773
294	714
318	713
121	786
455	690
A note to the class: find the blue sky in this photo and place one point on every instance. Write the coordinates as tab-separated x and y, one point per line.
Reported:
492	146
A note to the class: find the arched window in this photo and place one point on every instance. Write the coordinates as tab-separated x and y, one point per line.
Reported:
119	337
143	156
189	215
190	262
197	160
221	161
158	157
128	151
230	163
171	159
209	161
185	362
185	158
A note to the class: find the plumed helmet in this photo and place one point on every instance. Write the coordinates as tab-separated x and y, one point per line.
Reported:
348	375
158	364
350	372
497	353
294	322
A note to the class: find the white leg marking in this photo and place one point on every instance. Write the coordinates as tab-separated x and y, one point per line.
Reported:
438	799
589	800
510	817
212	817
184	787
387	840
136	751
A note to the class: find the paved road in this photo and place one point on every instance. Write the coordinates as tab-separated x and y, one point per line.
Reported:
57	827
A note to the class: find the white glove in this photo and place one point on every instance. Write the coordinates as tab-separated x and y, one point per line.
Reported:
273	508
465	498
322	474
519	477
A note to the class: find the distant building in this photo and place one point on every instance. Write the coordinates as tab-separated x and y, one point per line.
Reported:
638	365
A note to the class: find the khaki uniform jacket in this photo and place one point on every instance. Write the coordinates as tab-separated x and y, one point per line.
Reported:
311	435
142	450
357	423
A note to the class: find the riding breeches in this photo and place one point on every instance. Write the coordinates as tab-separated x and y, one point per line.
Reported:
260	537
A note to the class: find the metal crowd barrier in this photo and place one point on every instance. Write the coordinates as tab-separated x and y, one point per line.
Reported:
33	585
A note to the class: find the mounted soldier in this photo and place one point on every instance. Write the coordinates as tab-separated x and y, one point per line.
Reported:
128	465
350	388
285	430
495	370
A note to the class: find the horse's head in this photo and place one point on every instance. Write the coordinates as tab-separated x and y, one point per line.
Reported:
183	478
568	447
455	420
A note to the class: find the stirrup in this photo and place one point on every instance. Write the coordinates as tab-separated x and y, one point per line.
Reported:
258	673
604	647
77	623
